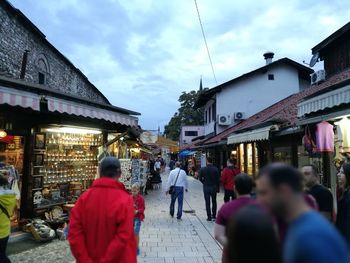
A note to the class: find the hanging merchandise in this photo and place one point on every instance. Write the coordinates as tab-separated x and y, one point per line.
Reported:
308	142
338	140
344	126
324	137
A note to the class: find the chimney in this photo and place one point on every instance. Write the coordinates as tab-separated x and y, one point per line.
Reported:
268	57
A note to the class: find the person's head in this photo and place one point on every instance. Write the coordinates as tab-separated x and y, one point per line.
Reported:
135	189
344	176
243	184
251	237
110	167
209	160
278	185
178	164
310	175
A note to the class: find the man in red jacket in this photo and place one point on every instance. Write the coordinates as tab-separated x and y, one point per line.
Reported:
101	223
228	180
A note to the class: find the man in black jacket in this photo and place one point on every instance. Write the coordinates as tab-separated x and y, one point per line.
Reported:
210	177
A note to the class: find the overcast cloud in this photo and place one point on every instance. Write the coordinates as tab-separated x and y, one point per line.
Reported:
143	53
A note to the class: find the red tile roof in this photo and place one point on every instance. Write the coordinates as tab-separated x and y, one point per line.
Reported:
284	110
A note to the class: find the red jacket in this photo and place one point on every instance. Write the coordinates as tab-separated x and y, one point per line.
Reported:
228	177
101	224
139	205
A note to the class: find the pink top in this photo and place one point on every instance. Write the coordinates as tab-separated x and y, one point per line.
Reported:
324	137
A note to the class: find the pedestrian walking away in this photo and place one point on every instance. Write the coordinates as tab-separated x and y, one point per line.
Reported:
323	196
101	222
343	216
210	177
7	205
310	236
139	212
243	188
176	185
228	180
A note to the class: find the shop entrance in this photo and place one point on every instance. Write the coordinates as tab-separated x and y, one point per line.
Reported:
11	166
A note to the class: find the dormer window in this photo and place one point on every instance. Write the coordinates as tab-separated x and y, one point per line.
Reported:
271	77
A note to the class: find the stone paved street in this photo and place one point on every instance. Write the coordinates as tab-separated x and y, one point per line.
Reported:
163	239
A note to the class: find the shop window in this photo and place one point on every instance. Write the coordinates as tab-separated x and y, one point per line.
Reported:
283	155
241	158
305	159
271	77
250	169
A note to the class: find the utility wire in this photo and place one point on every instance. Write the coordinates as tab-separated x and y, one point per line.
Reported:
205	41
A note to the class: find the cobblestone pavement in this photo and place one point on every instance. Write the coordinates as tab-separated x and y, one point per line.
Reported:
162	238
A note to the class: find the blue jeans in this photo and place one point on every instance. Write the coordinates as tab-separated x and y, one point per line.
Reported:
179	195
3	246
137	226
210	193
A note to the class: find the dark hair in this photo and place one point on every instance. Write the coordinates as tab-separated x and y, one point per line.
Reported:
279	173
251	237
346	168
313	168
3	181
111	172
209	159
243	184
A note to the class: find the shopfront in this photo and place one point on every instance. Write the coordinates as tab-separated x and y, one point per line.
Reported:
325	119
50	145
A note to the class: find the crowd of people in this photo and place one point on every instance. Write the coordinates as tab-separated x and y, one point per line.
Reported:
285	215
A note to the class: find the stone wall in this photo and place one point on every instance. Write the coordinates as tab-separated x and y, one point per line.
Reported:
17	35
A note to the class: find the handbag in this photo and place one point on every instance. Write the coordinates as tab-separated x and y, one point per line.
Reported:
172	188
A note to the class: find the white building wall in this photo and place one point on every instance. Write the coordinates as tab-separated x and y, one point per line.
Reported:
188	139
254	94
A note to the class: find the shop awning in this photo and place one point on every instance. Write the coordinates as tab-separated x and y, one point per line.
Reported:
327	100
14	97
78	109
250	136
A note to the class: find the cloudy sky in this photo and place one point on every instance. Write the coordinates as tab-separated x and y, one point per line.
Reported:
143	53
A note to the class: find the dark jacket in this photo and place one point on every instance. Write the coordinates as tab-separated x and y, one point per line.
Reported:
343	216
209	175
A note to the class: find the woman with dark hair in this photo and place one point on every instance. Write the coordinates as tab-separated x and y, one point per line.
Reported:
7	205
343	216
251	238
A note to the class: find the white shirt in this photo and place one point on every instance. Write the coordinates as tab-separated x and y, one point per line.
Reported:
157	165
181	180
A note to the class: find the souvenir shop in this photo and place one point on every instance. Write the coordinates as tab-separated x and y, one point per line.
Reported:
50	148
326	122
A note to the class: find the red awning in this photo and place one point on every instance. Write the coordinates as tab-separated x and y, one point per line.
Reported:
78	109
14	97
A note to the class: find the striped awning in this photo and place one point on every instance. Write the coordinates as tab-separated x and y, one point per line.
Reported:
78	109
14	97
327	100
251	136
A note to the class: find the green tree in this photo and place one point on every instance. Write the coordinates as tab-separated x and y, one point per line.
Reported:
185	115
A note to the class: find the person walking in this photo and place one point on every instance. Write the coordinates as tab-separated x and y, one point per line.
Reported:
176	185
343	216
101	222
310	237
7	205
243	188
251	238
323	196
228	180
210	177
139	212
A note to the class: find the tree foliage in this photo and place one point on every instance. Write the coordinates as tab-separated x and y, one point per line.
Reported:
185	115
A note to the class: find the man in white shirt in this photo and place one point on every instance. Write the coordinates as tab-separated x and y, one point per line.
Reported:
177	178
